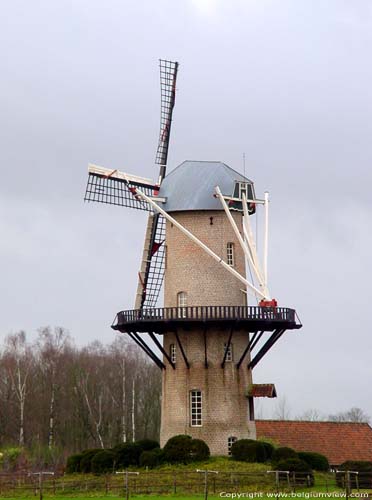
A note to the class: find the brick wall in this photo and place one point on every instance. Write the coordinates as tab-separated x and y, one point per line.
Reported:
188	269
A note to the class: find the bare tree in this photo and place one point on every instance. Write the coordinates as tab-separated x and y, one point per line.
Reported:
18	359
282	410
311	415
51	345
352	415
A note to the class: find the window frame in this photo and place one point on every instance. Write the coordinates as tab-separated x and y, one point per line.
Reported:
230	254
173	353
196	408
230	353
182	304
230	441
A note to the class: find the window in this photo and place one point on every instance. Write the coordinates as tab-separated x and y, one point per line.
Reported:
229	352
172	353
230	441
243	187
182	304
196	408
230	254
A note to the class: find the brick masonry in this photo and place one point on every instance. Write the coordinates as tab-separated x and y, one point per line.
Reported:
189	269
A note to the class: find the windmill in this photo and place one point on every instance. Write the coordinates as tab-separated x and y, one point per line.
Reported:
199	237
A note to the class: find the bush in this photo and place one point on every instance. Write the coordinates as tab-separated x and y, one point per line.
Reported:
315	460
103	462
178	449
364	479
269	449
302	470
86	460
73	463
199	450
283	454
152	458
248	450
127	454
148	444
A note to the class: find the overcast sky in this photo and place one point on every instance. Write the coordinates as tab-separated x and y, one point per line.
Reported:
287	82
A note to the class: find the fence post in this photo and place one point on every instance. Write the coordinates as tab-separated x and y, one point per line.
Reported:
126	482
205	472
174	482
347	484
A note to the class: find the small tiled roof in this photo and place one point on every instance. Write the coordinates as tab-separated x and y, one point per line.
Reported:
262	391
338	441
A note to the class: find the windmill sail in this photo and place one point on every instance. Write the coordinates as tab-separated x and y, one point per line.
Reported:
115	188
168	77
151	274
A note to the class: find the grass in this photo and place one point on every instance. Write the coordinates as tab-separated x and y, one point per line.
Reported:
166	479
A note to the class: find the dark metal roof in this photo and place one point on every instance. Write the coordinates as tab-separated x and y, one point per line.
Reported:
190	186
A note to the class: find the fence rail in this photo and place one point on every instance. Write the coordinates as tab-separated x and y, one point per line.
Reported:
186	482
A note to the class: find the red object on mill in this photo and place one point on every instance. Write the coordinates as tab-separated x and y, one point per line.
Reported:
268	303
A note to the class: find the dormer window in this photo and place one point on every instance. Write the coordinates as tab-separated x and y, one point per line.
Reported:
243	188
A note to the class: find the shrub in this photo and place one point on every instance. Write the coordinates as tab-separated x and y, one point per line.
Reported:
103	462
127	454
184	449
248	450
199	450
73	463
269	449
148	444
282	454
178	449
302	470
315	460
86	460
363	479
152	458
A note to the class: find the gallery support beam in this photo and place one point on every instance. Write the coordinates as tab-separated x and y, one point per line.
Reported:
266	347
140	342
227	348
181	349
161	348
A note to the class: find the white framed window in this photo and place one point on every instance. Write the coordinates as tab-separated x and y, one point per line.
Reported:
229	351
230	441
230	254
172	352
195	408
182	304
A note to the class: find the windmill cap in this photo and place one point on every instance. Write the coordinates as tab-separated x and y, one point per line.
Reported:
191	185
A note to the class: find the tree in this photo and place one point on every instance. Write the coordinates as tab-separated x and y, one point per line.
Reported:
18	360
352	415
51	346
311	415
282	410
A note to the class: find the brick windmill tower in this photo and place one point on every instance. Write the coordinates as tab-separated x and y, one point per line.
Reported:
208	336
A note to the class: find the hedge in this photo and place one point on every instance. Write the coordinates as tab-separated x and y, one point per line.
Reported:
184	449
363	479
127	454
303	472
86	460
316	461
249	450
283	453
152	458
73	463
103	462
